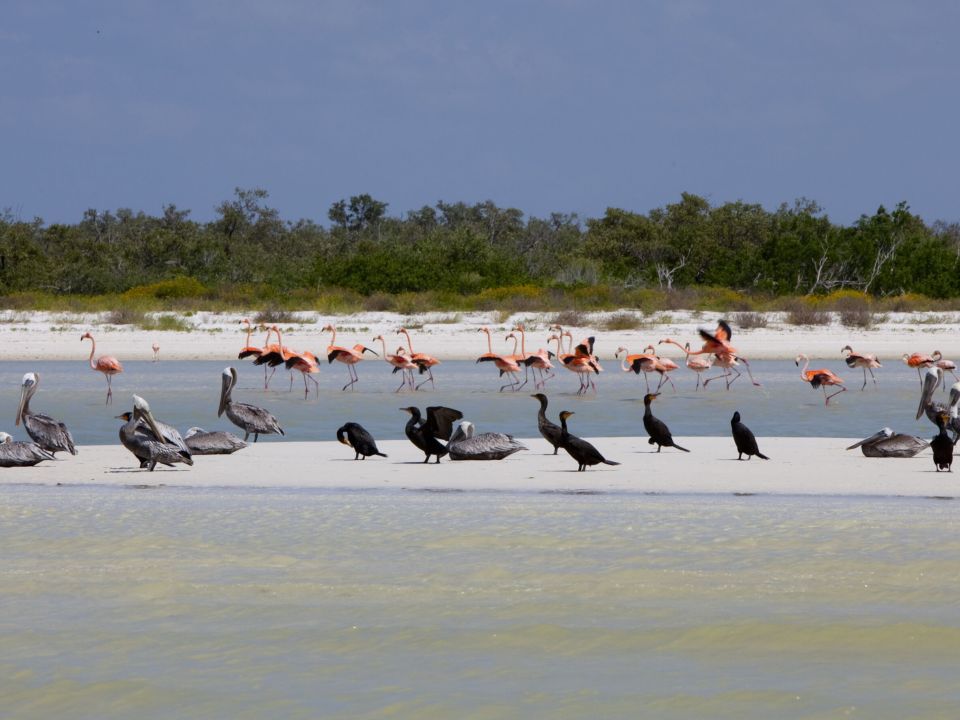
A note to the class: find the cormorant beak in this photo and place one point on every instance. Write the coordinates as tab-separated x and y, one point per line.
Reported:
343	440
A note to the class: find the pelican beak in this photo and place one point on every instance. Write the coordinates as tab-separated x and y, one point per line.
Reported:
226	384
879	435
931	380
145	413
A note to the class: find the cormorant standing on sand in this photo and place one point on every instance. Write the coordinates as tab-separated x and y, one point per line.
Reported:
426	434
744	439
942	445
657	429
580	450
551	431
359	439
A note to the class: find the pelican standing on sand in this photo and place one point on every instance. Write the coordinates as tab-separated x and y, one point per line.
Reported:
464	445
249	418
49	434
149	440
16	453
106	364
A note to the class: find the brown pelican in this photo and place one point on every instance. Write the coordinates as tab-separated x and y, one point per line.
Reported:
249	418
887	443
426	434
219	442
46	432
579	449
551	431
19	453
464	445
151	441
357	437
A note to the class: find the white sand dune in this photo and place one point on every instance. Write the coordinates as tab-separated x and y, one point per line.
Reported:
218	336
798	466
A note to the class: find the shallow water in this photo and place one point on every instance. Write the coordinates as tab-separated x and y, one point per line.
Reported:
187	393
118	603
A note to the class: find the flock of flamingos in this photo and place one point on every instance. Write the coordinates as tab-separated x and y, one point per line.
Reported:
716	352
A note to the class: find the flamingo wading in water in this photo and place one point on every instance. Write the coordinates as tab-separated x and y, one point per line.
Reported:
819	378
423	362
864	361
106	364
348	356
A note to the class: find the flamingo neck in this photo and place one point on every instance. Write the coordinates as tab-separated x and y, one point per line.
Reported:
283	355
489	344
523	343
249	333
409	344
93	349
333	335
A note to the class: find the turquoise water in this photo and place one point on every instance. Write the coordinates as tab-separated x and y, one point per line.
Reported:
187	393
165	603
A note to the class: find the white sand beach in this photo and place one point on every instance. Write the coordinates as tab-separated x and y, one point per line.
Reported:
454	336
798	466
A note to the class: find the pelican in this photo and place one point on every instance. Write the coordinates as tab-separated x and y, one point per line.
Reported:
219	442
149	440
249	418
929	383
19	453
49	434
887	443
464	445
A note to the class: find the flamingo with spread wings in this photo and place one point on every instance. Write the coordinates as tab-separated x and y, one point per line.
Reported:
820	378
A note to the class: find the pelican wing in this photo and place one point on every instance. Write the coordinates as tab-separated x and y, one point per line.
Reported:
219	442
253	419
897	446
22	454
51	435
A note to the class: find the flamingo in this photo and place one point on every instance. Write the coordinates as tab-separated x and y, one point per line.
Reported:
664	366
106	364
697	364
348	356
820	377
718	343
919	361
423	361
400	363
584	362
728	363
306	362
539	361
274	355
156	352
255	352
503	364
636	363
947	365
861	360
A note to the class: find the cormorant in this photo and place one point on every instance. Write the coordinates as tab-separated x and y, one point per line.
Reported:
426	434
354	435
657	429
942	445
744	439
579	449
551	431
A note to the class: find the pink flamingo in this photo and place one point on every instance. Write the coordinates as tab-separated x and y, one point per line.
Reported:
305	362
861	360
348	356
156	352
539	360
946	365
503	363
423	361
400	363
820	378
639	362
728	363
698	364
106	364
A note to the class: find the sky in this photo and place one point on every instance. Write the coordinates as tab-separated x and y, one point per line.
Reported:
547	106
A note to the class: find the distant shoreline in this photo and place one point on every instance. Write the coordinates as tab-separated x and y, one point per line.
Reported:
454	336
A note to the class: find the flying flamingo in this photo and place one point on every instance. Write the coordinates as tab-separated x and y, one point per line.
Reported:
504	364
821	377
920	362
348	356
946	365
718	343
156	352
423	361
697	364
861	360
106	364
400	363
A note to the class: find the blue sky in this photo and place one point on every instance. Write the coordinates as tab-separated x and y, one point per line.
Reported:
562	106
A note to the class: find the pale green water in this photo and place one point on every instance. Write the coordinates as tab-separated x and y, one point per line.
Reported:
121	603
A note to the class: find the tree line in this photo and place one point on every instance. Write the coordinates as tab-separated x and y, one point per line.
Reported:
467	248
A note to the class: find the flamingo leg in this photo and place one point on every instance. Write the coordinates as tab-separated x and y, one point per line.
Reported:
266	382
842	389
706	381
404	380
747	364
736	374
666	376
429	379
109	390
